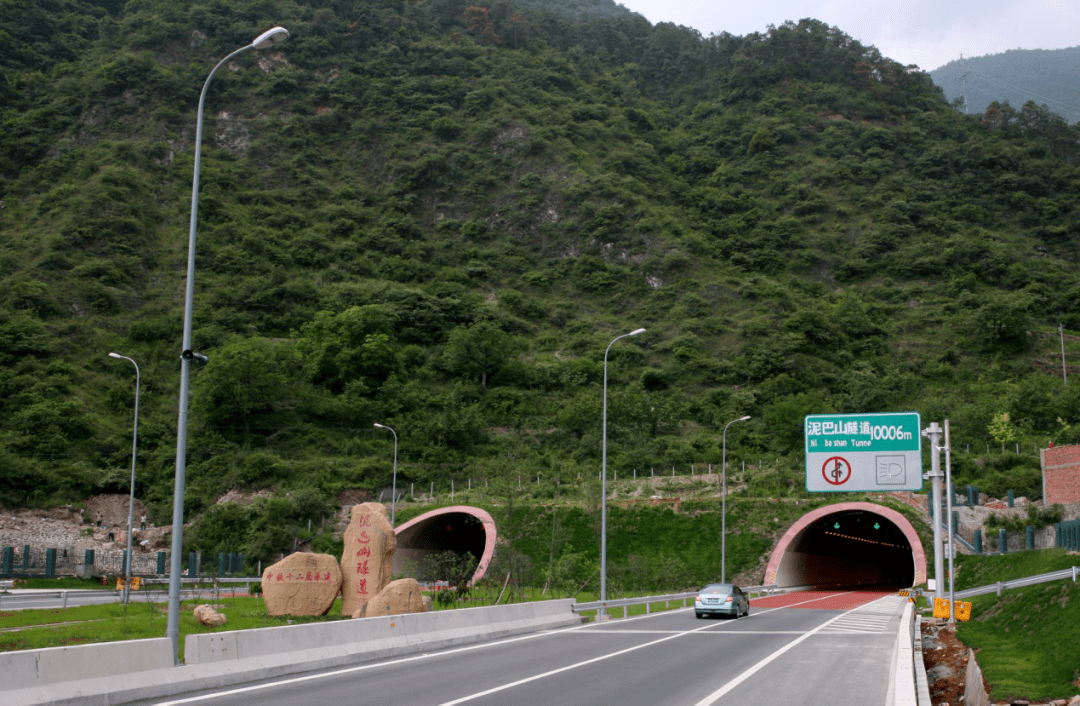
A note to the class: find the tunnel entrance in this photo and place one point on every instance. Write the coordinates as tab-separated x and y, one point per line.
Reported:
459	529
849	545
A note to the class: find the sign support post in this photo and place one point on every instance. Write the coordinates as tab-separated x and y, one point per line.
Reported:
948	514
933	433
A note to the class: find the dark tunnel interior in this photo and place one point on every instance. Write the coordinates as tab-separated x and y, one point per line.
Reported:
458	532
849	549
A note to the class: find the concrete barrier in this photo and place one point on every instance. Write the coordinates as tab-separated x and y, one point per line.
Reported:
907	675
54	674
87	674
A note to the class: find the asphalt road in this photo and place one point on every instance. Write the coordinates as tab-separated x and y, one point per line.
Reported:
808	648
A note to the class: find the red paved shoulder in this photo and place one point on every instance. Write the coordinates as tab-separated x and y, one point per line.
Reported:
819	600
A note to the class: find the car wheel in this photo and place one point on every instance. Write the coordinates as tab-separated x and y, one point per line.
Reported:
747	612
699	615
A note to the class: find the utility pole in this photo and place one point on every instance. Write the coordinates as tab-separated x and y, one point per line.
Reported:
963	80
933	433
1064	372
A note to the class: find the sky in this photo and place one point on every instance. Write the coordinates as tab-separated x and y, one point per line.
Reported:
928	33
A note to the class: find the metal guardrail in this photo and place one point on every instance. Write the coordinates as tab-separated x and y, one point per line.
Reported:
647	601
1020	583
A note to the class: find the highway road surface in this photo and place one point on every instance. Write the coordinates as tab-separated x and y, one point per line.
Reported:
822	647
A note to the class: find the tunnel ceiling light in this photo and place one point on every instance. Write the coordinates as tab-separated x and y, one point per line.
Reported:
868	541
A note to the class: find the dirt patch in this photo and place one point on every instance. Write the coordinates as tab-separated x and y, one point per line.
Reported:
945	659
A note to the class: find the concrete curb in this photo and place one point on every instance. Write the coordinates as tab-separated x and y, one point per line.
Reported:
216	660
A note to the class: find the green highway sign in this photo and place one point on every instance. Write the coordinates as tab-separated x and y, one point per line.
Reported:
863	452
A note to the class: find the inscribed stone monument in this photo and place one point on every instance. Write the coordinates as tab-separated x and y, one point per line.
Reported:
301	584
366	559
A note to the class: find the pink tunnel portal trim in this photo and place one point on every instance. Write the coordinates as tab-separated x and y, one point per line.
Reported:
918	554
412	535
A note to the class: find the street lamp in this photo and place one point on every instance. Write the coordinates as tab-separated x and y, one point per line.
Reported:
265	40
393	498
131	500
723	504
603	481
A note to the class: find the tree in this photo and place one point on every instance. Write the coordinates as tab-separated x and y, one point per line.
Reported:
480	25
516	24
478	350
352	346
242	379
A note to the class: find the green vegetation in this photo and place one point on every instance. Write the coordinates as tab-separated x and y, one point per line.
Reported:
1028	640
435	216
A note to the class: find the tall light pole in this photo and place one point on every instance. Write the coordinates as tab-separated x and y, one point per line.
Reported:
723	503
131	500
393	497
265	40
603	482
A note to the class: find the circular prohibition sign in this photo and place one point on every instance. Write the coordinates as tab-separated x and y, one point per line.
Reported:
836	470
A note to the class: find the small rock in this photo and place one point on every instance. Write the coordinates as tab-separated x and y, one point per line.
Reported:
208	616
939	672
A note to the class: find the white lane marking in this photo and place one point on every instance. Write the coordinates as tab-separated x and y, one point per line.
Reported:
870	619
403	660
414	658
601	658
684	633
725	689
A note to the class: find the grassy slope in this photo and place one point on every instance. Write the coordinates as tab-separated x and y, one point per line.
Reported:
1028	640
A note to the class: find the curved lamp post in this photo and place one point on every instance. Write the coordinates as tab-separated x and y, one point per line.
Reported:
131	500
265	40
723	504
393	497
603	482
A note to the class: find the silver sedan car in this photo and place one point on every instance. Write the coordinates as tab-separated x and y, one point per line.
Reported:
721	599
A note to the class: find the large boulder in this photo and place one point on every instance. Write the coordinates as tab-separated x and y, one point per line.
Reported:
399	597
301	584
367	557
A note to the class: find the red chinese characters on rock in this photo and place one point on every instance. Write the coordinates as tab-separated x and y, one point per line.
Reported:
366	560
302	584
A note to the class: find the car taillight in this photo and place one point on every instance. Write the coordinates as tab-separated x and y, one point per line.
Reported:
697	597
727	600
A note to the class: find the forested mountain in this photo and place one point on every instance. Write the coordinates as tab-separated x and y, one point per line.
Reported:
436	216
1046	77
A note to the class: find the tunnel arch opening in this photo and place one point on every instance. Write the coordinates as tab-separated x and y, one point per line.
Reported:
849	545
460	529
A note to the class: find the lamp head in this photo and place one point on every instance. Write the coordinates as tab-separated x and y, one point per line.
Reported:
636	332
380	426
270	38
116	355
743	419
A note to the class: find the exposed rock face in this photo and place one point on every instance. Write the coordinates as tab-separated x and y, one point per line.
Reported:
399	597
301	584
368	555
208	616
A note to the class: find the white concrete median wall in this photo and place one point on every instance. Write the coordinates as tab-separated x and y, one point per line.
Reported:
120	672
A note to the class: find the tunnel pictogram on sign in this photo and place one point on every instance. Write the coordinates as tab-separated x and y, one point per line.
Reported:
836	470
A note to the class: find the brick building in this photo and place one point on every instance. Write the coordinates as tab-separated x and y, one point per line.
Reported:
1061	474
